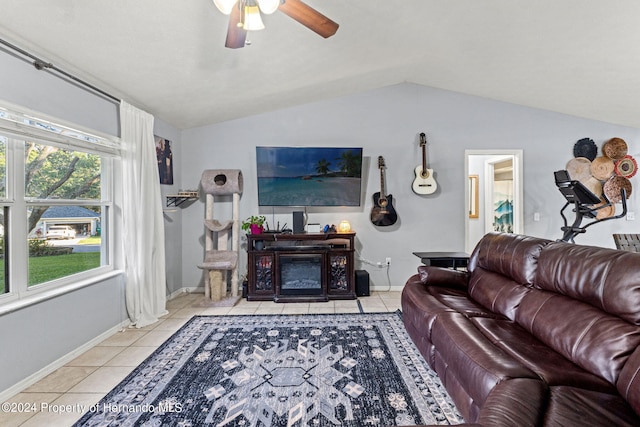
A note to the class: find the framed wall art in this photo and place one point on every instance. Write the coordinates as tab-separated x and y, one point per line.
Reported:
165	160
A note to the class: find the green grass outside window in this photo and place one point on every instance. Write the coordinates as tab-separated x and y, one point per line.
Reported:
45	268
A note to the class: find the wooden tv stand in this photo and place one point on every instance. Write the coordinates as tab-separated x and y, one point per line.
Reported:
324	260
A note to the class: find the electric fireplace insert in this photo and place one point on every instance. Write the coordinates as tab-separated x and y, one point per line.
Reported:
301	274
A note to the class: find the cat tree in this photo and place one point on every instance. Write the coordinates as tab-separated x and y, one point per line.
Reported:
222	258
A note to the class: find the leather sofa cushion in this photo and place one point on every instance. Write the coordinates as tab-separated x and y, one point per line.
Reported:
570	406
548	364
516	402
472	358
629	380
605	278
510	255
427	302
587	336
438	276
422	305
497	293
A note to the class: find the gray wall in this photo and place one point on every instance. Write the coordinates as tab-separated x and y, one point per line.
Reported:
41	91
386	122
40	334
172	216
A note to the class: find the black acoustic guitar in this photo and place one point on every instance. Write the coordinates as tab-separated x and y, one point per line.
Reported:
383	213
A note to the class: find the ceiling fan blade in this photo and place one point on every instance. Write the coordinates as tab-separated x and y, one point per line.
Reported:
236	35
309	17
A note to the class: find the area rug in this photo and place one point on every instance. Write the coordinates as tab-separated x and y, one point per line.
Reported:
281	370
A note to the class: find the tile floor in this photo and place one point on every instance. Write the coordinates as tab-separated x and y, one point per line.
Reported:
59	398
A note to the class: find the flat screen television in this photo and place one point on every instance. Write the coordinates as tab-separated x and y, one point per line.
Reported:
309	176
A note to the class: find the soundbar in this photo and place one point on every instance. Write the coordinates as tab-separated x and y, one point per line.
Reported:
298	247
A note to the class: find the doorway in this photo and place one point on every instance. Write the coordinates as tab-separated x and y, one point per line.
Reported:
493	193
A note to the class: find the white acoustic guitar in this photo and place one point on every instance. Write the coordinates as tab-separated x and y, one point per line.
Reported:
424	183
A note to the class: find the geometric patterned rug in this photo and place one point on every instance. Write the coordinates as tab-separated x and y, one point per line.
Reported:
281	370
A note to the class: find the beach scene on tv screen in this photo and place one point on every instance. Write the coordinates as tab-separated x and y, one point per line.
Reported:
309	176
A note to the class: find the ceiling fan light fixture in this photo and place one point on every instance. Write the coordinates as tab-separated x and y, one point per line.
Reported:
268	6
252	19
225	6
245	16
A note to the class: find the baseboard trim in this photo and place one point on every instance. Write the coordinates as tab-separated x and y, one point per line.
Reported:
200	290
50	368
187	290
387	288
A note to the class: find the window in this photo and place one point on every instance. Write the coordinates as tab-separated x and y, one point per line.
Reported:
4	287
64	235
55	192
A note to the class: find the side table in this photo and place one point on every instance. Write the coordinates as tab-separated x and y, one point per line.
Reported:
453	260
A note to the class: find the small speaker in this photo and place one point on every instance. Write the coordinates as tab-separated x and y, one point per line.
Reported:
362	283
298	222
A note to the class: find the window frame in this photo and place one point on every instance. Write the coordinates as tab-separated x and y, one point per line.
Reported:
19	125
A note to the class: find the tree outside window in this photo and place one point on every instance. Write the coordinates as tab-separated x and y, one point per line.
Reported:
68	242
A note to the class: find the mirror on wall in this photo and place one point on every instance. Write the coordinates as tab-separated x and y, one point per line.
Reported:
474	200
494	193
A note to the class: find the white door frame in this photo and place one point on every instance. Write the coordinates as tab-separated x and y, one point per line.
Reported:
518	197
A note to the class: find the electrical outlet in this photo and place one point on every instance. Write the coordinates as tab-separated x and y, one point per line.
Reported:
388	260
631	216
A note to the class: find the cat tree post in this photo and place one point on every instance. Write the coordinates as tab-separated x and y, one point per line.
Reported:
235	242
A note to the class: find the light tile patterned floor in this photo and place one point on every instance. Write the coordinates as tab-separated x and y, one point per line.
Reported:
58	399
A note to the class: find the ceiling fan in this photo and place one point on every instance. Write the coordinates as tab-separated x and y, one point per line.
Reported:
245	16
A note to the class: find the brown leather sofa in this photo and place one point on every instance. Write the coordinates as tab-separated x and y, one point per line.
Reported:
536	333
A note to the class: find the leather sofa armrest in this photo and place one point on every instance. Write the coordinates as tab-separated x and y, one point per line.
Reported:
440	276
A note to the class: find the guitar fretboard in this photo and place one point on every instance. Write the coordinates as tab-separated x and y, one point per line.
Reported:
423	144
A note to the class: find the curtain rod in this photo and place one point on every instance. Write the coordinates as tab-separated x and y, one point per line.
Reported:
42	65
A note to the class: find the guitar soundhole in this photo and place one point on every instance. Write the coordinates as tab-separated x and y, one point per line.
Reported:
425	174
383	203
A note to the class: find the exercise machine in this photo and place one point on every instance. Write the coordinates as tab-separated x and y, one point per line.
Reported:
585	205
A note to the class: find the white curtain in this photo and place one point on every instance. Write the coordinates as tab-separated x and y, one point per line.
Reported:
143	223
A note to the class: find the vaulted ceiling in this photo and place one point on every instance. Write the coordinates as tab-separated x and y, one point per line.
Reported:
579	57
